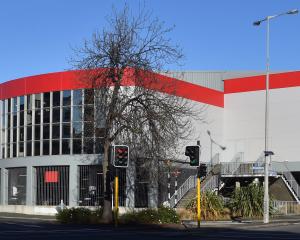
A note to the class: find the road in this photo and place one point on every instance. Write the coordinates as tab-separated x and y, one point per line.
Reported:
35	229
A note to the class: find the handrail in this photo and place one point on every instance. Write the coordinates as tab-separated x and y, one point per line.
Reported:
292	183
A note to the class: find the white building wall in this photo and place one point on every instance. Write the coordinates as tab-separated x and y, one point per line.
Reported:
244	122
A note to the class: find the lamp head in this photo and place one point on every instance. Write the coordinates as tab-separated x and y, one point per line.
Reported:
256	23
294	11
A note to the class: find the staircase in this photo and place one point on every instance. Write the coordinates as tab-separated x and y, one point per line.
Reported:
291	184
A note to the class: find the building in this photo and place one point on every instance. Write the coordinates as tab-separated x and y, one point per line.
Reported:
49	153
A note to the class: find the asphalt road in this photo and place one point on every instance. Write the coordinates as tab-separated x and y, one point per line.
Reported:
35	229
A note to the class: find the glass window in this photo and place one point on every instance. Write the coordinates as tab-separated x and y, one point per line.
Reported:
9	105
22	134
55	147
77	113
100	132
36	148
66	131
37	100
46	131
16	186
46	100
77	146
56	115
88	129
55	131
46	147
29	102
14	134
46	115
88	145
37	132
15	105
28	148
22	103
66	114
66	98
22	118
21	149
66	146
15	119
38	116
77	97
14	149
29	133
88	113
56	99
99	145
77	129
29	117
88	96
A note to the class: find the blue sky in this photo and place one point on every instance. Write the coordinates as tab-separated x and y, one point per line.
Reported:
36	35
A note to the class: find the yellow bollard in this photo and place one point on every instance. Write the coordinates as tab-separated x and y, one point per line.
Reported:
116	200
198	202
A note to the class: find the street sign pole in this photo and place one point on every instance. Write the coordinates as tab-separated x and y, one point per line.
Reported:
198	200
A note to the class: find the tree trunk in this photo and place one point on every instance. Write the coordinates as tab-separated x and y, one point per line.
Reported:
107	216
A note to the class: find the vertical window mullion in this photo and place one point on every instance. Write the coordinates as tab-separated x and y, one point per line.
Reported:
50	124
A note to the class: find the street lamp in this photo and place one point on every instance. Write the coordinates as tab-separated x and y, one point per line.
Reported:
211	143
267	162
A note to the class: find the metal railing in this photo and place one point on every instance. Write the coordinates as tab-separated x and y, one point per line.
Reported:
288	176
211	184
183	189
285	208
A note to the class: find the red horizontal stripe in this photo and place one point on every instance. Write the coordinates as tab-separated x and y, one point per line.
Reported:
70	80
256	83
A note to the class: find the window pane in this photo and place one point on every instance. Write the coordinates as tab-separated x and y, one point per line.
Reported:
46	100
100	132
9	105
14	119
88	113
21	134
67	98
46	131
99	145
66	146
22	118
55	115
77	97
88	129
22	103
28	148
37	148
88	96
55	131
29	117
55	147
37	100
37	116
15	105
14	134
66	114
37	132
46	115
66	131
21	149
46	147
56	99
77	113
14	149
29	133
76	146
29	102
88	145
77	129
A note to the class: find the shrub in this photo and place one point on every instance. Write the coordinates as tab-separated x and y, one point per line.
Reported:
212	206
79	216
151	216
248	201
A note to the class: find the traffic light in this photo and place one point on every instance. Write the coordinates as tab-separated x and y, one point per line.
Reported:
193	152
120	156
202	170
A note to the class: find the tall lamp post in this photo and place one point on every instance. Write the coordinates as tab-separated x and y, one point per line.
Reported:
267	162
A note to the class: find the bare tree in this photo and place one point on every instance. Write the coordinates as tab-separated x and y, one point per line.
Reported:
132	106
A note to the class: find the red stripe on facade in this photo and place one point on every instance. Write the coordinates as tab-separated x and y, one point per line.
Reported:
256	83
69	80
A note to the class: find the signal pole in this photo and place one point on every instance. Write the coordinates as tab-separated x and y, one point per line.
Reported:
198	193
